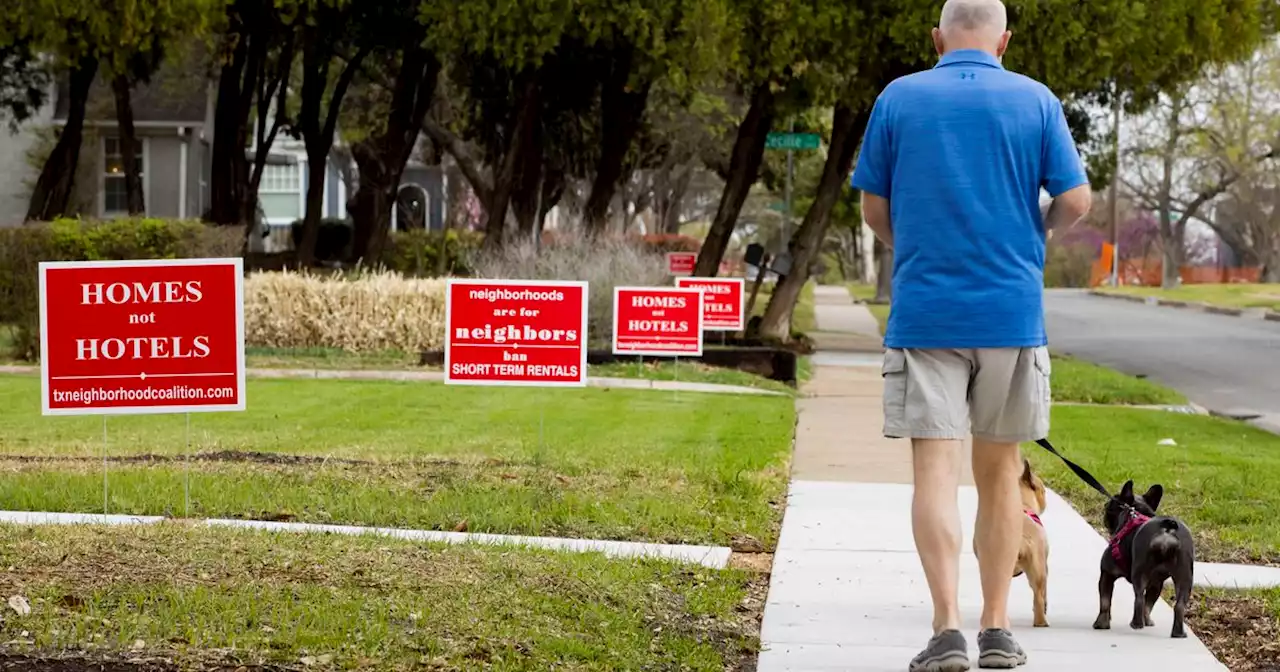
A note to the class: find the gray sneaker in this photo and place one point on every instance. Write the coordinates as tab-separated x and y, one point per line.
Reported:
997	650
947	652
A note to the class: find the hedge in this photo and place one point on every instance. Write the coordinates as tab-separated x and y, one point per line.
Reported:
22	248
417	253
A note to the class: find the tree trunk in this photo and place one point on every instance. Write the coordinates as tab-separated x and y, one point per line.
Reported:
525	123
675	201
374	198
884	273
319	127
128	138
317	172
52	193
805	245
382	159
622	111
1174	249
748	152
526	198
229	204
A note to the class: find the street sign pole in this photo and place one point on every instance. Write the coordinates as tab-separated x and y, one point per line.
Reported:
791	166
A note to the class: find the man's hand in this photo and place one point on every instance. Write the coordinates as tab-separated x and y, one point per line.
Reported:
875	212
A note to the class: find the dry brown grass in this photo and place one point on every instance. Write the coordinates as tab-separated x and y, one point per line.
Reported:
361	313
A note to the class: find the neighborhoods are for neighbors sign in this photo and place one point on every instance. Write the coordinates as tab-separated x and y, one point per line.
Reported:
515	332
145	336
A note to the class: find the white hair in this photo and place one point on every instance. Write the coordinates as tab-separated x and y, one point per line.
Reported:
974	16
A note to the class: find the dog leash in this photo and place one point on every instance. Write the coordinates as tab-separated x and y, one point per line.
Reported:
1079	470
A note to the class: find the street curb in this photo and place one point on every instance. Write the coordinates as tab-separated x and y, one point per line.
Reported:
1270	315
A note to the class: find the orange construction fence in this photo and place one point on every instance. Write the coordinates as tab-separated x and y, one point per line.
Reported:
1150	272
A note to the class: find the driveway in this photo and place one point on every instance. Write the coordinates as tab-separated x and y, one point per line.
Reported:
1227	364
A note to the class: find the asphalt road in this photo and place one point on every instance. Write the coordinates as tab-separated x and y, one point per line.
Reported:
1227	364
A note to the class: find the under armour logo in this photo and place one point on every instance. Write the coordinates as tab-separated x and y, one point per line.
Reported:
968	75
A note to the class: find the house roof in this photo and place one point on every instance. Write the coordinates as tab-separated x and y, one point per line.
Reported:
177	94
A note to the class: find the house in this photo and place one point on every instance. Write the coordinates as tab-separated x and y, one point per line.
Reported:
173	120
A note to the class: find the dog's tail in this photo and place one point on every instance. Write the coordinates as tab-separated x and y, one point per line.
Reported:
1166	543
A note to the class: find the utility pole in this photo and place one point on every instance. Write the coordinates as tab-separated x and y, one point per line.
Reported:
1115	185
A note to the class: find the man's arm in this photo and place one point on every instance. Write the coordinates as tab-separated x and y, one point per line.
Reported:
1069	207
1063	174
875	211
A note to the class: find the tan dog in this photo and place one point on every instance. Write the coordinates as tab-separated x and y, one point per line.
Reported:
1033	553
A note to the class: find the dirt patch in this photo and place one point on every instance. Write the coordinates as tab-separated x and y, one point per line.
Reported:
761	563
27	663
1239	629
81	664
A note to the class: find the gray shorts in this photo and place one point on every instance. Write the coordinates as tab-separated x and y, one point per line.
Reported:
996	394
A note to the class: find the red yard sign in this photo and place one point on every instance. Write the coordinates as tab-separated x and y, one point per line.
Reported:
681	263
148	336
515	332
657	321
723	302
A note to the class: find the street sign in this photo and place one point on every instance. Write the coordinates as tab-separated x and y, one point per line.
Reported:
144	336
793	141
515	332
723	302
657	321
681	263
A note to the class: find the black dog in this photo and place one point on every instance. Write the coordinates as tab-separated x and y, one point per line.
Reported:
1145	549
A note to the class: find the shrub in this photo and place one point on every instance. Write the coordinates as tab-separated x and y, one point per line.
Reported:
662	243
604	263
417	253
22	248
333	239
1068	266
360	312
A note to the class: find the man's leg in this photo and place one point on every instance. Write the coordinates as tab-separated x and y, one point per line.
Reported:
997	533
935	523
1010	405
926	400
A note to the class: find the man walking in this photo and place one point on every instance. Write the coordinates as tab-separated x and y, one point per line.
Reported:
951	170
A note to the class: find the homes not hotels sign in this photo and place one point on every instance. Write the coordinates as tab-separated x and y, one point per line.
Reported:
146	336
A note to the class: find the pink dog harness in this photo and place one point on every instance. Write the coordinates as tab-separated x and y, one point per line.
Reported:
1135	521
1034	518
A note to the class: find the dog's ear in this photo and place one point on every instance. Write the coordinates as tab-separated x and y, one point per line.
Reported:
1026	472
1126	493
1152	498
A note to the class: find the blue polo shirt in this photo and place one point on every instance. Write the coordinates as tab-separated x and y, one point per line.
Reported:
961	152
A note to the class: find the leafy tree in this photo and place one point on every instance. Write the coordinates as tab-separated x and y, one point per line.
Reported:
24	81
778	68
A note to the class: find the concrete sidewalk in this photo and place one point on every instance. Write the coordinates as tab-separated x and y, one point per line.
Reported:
847	591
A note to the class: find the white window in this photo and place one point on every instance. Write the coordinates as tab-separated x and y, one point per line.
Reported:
115	197
279	192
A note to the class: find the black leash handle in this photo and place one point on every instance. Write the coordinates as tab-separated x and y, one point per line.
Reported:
1080	471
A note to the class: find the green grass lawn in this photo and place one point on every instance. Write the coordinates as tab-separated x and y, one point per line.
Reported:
1223	477
1078	381
326	359
686	371
1230	296
590	463
223	599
